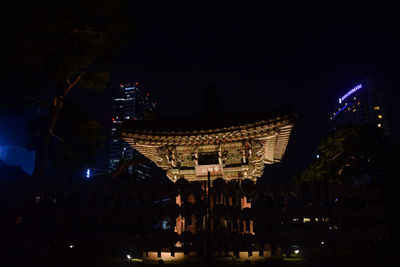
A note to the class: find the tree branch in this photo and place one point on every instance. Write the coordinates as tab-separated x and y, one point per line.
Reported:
71	85
88	30
34	58
34	99
337	155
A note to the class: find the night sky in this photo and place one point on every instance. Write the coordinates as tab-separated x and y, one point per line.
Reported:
260	57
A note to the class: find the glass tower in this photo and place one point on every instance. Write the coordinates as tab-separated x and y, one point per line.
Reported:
362	104
131	103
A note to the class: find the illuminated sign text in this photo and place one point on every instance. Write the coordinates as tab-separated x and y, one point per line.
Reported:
349	93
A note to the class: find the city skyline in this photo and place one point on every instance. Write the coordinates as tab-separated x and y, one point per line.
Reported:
254	65
285	171
199	133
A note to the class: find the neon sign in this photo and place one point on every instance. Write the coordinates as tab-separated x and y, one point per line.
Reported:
349	93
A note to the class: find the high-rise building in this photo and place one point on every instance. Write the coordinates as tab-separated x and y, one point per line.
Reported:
131	103
363	104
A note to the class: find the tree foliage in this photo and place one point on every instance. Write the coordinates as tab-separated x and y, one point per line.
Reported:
64	44
76	140
69	42
346	153
82	138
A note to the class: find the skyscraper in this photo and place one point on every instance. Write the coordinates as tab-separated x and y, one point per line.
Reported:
131	103
362	104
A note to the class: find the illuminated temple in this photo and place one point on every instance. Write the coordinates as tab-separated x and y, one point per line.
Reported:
238	150
234	148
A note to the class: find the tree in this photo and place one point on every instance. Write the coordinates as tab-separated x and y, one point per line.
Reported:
346	153
81	138
67	45
346	158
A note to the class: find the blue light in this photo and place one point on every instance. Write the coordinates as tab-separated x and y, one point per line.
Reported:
18	156
349	93
339	111
88	173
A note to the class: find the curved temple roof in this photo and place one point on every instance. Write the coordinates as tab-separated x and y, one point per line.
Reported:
266	140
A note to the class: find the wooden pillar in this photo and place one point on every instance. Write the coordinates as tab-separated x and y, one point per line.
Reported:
193	230
180	225
178	200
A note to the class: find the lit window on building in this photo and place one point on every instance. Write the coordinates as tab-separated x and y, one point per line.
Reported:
380	116
379	125
38	199
354	110
376	108
306	220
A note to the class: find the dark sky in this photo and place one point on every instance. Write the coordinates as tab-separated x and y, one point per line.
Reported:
260	57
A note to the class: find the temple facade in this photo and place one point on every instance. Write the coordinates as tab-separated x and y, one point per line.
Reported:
215	157
235	152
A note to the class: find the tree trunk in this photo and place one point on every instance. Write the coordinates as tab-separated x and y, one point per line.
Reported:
40	161
45	138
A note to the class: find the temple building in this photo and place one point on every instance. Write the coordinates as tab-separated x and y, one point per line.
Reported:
232	147
238	149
